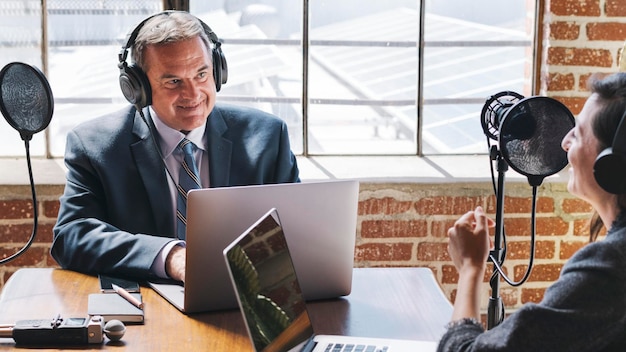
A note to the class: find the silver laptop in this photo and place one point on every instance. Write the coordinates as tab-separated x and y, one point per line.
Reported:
320	218
270	299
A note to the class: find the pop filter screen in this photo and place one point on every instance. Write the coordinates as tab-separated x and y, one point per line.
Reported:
530	137
26	100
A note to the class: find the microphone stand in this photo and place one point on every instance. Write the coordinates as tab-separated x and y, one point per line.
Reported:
494	309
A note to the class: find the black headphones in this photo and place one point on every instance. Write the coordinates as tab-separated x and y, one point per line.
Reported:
134	82
609	168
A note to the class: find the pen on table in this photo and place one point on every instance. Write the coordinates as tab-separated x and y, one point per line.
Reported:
127	296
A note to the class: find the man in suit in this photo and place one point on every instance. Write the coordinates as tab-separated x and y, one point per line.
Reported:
117	214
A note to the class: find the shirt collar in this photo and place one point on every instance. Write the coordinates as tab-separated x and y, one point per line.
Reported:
170	137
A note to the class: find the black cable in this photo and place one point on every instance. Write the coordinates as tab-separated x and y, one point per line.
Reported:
498	266
35	212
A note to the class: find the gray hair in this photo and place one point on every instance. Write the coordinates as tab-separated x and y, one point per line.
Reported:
167	27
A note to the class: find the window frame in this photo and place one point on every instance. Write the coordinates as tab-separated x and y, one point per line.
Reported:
305	43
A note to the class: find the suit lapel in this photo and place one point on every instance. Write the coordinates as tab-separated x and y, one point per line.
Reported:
151	170
220	150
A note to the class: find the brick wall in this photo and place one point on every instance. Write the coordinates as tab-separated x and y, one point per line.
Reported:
406	224
580	38
16	226
399	224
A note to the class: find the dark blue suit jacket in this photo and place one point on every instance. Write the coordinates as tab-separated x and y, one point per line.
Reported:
115	214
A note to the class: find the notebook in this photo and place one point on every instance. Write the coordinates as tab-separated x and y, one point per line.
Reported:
261	270
320	218
113	306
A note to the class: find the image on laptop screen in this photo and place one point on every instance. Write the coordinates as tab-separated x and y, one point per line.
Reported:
268	291
260	265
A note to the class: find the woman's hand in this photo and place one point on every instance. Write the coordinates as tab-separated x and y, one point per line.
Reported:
468	246
469	243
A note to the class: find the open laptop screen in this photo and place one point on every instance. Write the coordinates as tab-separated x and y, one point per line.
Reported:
267	288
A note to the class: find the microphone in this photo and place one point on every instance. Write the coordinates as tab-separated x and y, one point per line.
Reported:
26	103
529	132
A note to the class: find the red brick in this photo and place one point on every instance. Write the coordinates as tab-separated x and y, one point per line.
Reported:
544	226
51	208
521	249
564	31
583	81
534	295
517	226
575	7
393	228
561	56
447	205
449	275
384	251
385	206
33	256
545	205
581	227
16	209
509	296
516	205
541	272
427	251
615	8
440	228
552	226
574	104
576	205
20	233
568	248
606	31
560	82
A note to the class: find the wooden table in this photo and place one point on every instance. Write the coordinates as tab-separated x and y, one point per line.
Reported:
385	302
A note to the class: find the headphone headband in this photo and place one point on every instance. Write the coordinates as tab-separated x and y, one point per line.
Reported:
132	36
134	82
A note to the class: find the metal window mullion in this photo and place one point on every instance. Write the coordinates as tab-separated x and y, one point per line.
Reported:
305	77
44	66
420	79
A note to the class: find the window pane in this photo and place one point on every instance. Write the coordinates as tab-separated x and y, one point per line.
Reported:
261	43
20	41
363	77
473	50
85	37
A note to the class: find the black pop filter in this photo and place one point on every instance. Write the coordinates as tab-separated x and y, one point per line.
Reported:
529	132
26	101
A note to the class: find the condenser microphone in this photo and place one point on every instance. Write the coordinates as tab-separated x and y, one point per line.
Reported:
27	104
529	132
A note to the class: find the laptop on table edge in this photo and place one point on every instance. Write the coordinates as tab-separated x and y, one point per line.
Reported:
267	287
319	216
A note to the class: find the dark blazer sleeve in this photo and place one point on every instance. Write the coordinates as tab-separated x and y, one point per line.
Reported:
108	221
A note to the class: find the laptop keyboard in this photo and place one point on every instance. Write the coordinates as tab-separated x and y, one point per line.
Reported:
340	347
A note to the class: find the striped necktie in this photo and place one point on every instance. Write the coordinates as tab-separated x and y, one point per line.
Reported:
188	179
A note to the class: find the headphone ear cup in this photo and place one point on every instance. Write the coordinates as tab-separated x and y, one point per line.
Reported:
220	67
135	85
609	170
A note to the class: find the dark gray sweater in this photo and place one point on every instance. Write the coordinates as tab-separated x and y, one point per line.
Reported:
584	310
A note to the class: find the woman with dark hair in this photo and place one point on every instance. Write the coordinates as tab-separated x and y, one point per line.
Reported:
585	309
